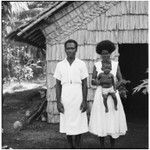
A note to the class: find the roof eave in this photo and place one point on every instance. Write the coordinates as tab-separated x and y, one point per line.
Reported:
17	35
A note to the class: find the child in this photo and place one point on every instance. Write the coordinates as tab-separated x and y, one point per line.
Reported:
108	85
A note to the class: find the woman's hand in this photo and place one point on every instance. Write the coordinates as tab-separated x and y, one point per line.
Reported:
96	82
60	107
83	106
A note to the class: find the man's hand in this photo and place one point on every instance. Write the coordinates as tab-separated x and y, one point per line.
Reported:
60	107
83	106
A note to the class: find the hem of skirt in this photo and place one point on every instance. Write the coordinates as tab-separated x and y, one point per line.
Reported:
113	135
76	133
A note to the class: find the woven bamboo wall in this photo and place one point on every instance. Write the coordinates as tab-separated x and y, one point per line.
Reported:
127	22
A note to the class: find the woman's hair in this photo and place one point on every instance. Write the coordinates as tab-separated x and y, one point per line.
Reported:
105	45
71	41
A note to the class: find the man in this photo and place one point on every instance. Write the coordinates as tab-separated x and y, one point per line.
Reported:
71	94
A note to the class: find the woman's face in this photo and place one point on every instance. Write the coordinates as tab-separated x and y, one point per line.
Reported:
105	55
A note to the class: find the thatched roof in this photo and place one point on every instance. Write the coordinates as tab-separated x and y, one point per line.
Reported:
120	21
31	32
59	21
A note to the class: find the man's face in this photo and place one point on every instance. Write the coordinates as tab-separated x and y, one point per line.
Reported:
70	49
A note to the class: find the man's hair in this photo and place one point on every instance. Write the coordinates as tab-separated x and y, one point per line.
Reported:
71	41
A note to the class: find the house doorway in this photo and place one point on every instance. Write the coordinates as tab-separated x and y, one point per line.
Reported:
133	62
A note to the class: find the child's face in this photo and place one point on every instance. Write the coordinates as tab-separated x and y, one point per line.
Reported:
105	55
107	71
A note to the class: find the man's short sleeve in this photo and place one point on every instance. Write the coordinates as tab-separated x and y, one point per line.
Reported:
84	72
57	73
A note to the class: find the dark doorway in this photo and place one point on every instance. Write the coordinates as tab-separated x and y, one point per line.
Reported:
133	62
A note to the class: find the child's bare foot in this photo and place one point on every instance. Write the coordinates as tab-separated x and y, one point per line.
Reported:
106	110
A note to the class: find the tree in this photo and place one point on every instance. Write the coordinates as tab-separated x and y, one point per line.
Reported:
16	54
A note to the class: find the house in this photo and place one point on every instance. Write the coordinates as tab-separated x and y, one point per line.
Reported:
88	22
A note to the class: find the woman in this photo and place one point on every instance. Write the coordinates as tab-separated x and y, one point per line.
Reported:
113	123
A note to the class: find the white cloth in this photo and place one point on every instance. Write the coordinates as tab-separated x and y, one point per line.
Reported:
72	122
106	91
112	123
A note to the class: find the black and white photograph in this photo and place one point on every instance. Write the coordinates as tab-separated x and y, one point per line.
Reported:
75	74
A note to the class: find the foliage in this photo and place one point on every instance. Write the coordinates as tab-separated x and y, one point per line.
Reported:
143	87
121	86
23	73
17	55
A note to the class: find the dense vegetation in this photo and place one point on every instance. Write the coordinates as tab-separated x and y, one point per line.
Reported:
21	61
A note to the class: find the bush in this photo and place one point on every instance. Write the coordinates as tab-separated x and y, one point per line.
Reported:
143	87
23	73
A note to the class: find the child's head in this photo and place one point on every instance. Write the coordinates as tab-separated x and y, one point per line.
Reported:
106	68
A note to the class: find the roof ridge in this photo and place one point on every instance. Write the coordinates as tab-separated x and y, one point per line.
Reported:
42	17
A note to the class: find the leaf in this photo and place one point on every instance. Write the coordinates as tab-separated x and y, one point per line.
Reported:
8	29
18	7
143	86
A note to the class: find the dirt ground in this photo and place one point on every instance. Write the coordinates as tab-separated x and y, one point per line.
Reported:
42	135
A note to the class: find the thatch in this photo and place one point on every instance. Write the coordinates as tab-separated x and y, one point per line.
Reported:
126	22
129	7
87	22
65	18
53	118
33	29
51	96
128	15
82	14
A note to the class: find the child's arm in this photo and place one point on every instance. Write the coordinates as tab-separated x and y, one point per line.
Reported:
113	82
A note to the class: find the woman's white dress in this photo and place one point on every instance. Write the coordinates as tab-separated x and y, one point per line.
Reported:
112	123
72	122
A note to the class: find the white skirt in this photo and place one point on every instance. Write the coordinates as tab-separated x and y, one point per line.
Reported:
113	122
72	122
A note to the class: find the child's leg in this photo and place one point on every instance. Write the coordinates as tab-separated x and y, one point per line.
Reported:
105	96
115	99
